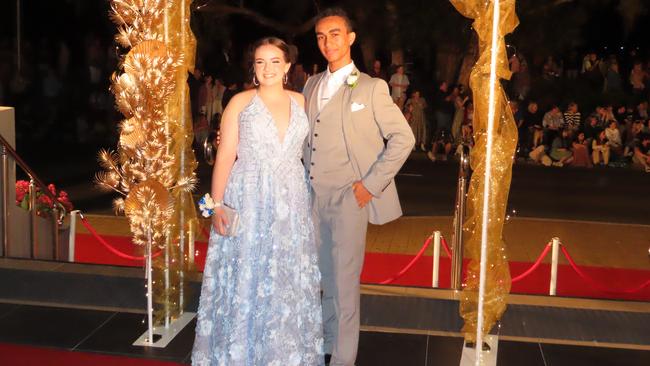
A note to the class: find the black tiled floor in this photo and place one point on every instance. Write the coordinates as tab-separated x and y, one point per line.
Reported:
6	309
390	349
46	326
512	354
561	355
118	335
444	351
114	333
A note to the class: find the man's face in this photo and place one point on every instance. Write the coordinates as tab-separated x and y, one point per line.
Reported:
376	65
334	39
532	107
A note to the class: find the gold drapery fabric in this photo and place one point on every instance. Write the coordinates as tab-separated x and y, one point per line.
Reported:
504	142
169	297
154	164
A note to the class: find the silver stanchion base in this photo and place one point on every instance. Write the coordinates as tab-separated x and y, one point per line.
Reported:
468	357
164	335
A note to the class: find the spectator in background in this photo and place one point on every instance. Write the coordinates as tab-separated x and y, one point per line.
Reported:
561	148
600	149
613	81
642	111
572	118
641	158
314	69
580	148
550	70
195	82
553	122
399	82
533	119
614	139
637	80
298	78
591	129
377	71
521	81
416	106
459	113
572	65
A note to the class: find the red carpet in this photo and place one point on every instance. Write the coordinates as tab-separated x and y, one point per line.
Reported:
18	355
379	266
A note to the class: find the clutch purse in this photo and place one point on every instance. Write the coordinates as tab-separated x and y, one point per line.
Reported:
207	206
233	221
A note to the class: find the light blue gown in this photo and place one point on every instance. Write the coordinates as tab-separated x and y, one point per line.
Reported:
260	298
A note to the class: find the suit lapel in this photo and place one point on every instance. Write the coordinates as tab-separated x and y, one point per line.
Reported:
313	100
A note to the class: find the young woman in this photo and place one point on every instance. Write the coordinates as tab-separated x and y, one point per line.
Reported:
600	149
260	298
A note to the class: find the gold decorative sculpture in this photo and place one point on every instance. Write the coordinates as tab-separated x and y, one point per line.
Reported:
154	165
503	144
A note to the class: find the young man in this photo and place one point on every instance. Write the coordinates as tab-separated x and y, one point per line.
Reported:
351	172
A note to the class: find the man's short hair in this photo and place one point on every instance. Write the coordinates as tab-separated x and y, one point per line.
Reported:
335	12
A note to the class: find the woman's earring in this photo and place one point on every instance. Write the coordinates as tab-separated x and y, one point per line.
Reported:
255	81
286	78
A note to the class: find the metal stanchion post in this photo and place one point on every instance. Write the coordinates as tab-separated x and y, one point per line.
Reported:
33	218
72	237
554	258
55	239
459	216
5	202
436	260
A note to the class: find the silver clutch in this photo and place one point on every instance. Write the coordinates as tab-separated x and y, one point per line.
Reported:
233	221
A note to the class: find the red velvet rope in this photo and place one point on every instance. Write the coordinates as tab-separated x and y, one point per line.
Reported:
101	240
445	246
534	266
411	263
595	284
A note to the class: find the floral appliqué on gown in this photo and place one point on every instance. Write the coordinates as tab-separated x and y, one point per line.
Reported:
260	298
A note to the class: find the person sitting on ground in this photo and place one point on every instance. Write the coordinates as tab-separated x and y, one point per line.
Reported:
591	129
600	149
553	122
572	118
580	148
614	139
642	111
441	143
641	158
533	119
560	149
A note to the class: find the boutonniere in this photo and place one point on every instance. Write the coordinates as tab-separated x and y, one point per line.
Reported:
353	79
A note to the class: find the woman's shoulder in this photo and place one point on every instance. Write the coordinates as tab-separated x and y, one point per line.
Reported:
298	97
240	100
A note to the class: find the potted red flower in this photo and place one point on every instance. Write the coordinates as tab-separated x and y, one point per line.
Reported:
44	203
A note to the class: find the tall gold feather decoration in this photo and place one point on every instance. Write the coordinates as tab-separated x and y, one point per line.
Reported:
153	167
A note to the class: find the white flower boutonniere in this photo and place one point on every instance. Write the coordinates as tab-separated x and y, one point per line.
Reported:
352	79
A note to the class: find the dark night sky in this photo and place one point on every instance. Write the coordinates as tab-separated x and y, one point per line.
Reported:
74	20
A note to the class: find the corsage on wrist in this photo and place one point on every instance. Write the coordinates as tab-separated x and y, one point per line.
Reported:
207	205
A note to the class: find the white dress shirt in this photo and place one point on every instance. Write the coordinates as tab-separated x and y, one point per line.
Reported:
331	83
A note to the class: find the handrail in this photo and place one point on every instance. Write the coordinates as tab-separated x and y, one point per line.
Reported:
58	210
30	172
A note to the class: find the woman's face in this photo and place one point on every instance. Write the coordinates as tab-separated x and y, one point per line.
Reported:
270	65
581	137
